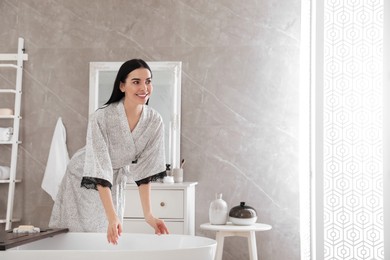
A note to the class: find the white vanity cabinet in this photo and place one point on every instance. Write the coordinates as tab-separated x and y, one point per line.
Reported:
174	203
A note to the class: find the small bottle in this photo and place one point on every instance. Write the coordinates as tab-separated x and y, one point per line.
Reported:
168	169
168	178
218	212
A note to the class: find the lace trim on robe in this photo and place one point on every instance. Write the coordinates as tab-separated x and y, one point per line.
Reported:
156	177
91	183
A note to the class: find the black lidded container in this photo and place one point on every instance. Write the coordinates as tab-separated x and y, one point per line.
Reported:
243	215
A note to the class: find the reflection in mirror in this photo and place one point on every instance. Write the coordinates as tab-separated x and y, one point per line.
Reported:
166	98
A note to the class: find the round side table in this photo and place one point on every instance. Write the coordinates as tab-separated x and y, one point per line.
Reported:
235	230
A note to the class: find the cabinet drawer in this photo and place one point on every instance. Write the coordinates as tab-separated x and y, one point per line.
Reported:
164	203
140	226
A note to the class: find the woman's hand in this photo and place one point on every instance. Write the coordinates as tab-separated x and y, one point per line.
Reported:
114	230
158	225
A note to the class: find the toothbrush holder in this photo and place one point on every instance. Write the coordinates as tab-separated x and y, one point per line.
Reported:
177	175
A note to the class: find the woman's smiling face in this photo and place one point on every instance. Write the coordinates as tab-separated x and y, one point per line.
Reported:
138	86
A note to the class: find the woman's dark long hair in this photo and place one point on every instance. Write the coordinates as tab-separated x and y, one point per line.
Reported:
124	70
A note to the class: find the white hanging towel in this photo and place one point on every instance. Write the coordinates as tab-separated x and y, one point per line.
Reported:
4	172
57	161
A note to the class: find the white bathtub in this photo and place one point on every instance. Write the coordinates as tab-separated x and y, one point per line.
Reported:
131	246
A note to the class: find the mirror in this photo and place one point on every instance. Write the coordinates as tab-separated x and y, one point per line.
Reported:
166	97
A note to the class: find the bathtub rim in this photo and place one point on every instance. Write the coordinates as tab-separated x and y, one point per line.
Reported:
210	243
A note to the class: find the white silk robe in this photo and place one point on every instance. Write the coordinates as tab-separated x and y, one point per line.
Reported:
110	154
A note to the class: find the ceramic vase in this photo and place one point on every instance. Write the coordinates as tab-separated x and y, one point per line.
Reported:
218	212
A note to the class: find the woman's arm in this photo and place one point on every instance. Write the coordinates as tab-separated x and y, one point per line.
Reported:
114	229
157	224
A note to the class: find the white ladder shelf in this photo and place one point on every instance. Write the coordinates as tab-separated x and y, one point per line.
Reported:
13	61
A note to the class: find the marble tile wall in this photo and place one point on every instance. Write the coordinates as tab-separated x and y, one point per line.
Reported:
239	96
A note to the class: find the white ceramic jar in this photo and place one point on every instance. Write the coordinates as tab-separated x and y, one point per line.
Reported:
218	212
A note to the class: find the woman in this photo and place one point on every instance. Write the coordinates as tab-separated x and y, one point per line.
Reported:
125	138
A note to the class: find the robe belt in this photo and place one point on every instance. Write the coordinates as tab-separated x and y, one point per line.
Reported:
118	190
121	176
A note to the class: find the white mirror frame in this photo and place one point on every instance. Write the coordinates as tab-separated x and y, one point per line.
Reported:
172	124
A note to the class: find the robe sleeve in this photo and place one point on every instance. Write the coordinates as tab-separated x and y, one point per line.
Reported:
97	166
151	160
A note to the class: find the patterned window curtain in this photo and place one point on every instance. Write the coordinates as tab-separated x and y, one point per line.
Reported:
352	130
